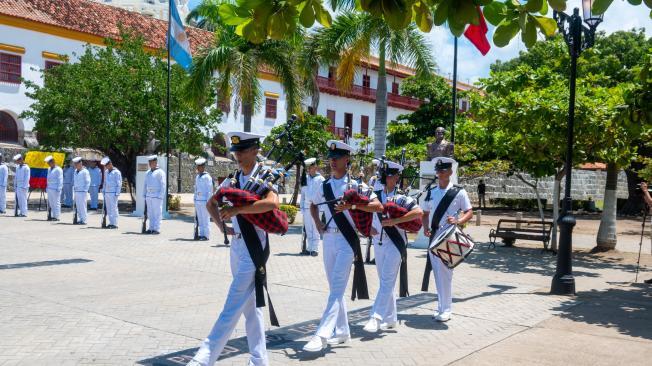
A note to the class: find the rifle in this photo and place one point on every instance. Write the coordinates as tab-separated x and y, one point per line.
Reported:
226	236
196	233
16	203
74	208
400	184
104	210
47	203
143	229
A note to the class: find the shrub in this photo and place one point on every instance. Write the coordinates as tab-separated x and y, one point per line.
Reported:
291	211
174	202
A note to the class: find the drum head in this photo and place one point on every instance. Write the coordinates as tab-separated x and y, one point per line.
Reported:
445	232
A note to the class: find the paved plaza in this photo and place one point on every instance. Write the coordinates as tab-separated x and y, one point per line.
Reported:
79	295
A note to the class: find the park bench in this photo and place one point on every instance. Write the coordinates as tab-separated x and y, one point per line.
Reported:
509	230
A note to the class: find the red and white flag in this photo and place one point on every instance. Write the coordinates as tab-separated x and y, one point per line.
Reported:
477	34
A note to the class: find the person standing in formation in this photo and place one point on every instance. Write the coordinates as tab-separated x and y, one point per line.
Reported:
313	181
203	191
80	186
154	195
68	179
54	187
340	243
111	189
21	185
96	182
4	175
453	200
390	245
248	242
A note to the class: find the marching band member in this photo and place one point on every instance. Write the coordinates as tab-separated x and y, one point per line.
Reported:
154	190
313	181
111	189
339	240
54	187
241	299
444	202
203	191
68	178
96	182
80	186
389	247
4	175
21	185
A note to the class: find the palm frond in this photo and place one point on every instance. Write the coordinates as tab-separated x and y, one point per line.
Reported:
417	52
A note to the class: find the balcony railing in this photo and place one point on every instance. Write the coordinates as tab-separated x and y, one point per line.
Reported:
329	86
339	132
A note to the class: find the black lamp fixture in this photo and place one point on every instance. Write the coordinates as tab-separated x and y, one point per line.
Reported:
578	38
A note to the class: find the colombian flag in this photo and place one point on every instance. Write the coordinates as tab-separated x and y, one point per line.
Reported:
39	168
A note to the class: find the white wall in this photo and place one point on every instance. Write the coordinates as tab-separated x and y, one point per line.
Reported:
12	96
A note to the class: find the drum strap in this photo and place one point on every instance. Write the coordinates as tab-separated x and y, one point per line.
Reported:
259	257
400	243
359	287
434	226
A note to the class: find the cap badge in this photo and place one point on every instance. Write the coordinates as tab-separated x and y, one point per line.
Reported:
333	146
235	139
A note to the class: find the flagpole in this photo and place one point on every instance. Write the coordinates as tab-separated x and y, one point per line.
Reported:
167	112
454	110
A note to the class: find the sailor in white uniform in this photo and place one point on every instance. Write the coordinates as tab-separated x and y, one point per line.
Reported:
313	181
21	185
81	182
241	299
338	251
203	191
111	189
54	187
459	211
68	178
96	182
388	254
4	175
154	192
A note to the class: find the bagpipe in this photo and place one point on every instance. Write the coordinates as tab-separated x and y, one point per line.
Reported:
260	183
356	196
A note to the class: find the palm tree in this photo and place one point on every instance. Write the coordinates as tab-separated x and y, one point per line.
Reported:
234	64
352	38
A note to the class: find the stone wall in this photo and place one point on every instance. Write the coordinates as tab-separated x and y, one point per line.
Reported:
585	184
218	169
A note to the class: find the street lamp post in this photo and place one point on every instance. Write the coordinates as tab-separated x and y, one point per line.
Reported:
563	282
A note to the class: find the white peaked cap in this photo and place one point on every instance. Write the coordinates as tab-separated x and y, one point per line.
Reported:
152	157
200	161
105	160
17	157
48	158
310	161
77	159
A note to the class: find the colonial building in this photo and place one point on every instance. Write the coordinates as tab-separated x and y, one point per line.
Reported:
39	34
153	8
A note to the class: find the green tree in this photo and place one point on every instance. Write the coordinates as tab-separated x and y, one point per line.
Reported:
112	98
258	20
352	37
234	63
309	135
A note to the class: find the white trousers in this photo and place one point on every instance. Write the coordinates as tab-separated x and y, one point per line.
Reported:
444	283
54	203
94	192
66	194
241	300
80	205
21	195
313	237
388	264
338	259
203	219
3	198
111	202
154	212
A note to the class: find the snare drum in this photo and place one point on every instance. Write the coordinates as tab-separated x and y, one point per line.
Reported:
451	245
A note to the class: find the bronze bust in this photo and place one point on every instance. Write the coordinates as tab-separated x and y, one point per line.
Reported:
440	147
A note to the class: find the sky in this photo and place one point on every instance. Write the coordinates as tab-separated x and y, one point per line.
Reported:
472	65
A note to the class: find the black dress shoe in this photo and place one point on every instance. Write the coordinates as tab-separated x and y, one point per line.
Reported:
314	254
154	232
148	232
54	220
203	238
305	252
648	281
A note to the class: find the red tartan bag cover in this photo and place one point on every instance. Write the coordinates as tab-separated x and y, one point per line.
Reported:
273	222
395	211
361	219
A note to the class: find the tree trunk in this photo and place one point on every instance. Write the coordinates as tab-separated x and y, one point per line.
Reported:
297	185
246	114
314	100
634	203
555	209
607	239
380	126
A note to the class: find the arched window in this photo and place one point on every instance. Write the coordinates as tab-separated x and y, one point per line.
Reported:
8	128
